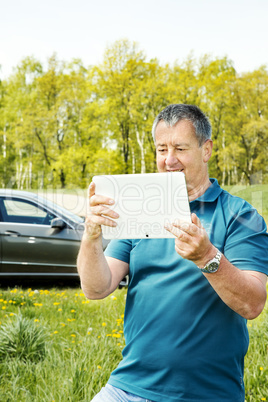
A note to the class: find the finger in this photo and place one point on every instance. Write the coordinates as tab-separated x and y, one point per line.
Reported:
102	210
196	220
101	220
95	199
91	189
189	228
183	236
98	199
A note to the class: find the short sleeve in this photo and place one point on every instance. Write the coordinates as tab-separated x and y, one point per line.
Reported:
119	249
246	244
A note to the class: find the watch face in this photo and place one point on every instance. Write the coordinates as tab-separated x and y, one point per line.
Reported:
213	267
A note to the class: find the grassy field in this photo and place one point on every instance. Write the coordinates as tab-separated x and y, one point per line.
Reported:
55	345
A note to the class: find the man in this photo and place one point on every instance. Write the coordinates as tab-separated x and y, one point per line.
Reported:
189	298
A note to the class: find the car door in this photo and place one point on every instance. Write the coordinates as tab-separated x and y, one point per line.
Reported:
29	245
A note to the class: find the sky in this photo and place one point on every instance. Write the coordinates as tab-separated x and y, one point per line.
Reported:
169	30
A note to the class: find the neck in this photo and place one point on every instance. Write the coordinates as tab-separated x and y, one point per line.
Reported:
200	189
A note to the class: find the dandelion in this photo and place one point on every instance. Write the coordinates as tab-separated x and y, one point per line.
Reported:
36	320
73	335
72	311
56	332
263	399
261	368
116	335
99	367
11	314
56	304
62	324
4	307
60	309
104	324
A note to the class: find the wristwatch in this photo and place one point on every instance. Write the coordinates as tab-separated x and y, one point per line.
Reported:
213	265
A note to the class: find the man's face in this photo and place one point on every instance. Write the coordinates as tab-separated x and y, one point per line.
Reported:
178	150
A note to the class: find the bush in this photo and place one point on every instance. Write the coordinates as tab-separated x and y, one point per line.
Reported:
22	339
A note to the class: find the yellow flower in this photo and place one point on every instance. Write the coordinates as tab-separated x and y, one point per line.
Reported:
11	314
4	307
117	335
36	320
60	309
56	304
73	335
261	368
56	332
263	399
72	311
99	367
104	324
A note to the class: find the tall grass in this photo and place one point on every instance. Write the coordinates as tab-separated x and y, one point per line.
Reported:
79	342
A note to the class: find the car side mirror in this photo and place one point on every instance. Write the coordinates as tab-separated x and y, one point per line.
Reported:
57	223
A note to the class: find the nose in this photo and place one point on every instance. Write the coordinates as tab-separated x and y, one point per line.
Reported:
171	159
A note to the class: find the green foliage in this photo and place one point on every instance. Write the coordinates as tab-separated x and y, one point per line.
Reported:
21	339
57	121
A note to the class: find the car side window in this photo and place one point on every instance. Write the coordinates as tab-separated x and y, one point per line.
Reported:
20	211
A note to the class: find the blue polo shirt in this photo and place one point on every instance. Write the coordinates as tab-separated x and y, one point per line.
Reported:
183	343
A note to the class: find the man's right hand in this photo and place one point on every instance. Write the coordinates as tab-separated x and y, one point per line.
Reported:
99	214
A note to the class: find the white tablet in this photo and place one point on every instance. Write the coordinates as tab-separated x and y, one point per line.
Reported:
145	203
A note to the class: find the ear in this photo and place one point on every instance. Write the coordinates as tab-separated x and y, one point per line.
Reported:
207	150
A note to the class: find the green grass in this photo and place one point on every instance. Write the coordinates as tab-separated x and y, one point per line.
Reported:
81	343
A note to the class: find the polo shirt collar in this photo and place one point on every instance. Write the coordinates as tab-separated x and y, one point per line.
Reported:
212	193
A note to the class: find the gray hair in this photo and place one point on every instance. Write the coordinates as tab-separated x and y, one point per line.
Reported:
172	114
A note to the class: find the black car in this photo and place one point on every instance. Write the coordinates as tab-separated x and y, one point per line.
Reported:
37	237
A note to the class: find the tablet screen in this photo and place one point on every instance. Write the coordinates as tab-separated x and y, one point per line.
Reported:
145	203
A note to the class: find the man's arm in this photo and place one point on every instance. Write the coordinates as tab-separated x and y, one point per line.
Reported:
99	276
243	291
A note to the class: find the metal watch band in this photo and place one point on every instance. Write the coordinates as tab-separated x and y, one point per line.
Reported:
213	265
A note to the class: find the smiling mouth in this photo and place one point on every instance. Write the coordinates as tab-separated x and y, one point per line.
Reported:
175	170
